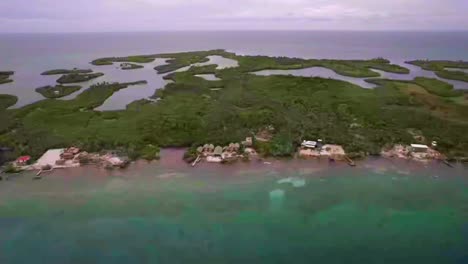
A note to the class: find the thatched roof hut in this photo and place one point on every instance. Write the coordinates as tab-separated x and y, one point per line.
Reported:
218	151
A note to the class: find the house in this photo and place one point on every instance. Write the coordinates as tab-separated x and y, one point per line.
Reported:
309	144
248	142
23	160
418	148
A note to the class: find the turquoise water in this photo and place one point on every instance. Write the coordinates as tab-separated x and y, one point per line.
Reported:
367	215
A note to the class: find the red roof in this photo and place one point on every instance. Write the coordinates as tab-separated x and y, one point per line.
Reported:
23	159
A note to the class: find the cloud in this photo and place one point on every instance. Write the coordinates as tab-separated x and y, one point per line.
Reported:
144	15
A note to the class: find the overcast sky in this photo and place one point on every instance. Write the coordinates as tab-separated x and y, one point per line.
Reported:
154	15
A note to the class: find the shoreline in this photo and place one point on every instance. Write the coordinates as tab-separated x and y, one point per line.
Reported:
171	164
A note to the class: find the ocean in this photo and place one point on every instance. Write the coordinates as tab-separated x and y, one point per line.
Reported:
31	54
297	211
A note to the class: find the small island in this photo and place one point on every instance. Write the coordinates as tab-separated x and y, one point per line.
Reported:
130	66
63	71
5	76
136	59
76	77
57	91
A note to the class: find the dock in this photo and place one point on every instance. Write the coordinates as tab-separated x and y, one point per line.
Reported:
196	161
447	163
350	161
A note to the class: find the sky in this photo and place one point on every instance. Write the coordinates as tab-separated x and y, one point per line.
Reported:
157	15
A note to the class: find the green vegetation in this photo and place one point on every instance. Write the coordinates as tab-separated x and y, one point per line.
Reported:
7	100
438	87
439	65
191	113
57	91
136	59
440	68
130	66
453	75
6	119
5	76
62	71
353	68
76	78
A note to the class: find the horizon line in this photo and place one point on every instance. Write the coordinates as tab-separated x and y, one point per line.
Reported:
241	30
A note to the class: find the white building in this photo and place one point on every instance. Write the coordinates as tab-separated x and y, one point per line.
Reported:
309	144
418	148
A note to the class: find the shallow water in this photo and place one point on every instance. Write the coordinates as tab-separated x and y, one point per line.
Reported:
165	212
31	54
208	77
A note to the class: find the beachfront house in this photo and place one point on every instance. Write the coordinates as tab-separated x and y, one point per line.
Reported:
309	144
418	148
23	160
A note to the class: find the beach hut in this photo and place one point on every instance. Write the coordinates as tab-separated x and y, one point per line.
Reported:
218	151
236	147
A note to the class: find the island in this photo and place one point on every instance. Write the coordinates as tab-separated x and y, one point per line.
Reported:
76	77
63	71
57	91
130	66
444	69
275	114
5	76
